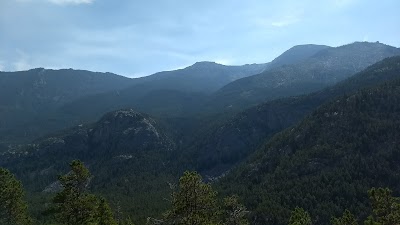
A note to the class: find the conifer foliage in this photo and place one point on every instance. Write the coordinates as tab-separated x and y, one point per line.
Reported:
385	207
347	219
194	203
13	209
75	204
300	217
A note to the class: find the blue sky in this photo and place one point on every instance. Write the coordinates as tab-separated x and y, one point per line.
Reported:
137	38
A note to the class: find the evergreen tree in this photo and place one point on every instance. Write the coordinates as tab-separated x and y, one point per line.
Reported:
13	209
234	213
105	215
347	219
74	205
385	207
194	203
300	217
126	222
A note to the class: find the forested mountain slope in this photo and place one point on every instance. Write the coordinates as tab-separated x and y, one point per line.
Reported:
130	154
227	143
327	162
134	157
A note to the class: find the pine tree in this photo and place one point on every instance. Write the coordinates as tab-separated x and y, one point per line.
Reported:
105	215
127	222
74	205
347	219
234	213
194	203
13	209
300	217
385	207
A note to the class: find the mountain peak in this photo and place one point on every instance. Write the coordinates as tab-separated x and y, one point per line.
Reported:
358	44
205	64
297	54
122	114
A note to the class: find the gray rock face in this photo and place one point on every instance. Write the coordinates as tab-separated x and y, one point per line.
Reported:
127	131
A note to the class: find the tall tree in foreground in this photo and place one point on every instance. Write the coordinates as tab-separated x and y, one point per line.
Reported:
13	209
75	205
300	217
194	203
234	213
105	215
385	207
347	219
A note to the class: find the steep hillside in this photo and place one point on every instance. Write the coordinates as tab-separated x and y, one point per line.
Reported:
224	145
296	54
27	95
129	153
327	162
41	88
324	68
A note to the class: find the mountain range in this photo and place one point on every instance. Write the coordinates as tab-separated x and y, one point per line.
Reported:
314	128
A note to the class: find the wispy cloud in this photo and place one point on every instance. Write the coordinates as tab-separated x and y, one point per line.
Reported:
344	3
22	62
285	22
2	67
73	2
59	2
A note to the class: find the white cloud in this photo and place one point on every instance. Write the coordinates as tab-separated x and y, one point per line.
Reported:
22	62
71	2
344	3
223	61
284	22
2	67
59	2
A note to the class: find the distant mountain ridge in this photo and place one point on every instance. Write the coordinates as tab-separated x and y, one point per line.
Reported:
35	94
26	95
182	93
205	77
324	68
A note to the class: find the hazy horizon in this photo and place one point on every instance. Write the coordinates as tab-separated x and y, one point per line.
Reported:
133	38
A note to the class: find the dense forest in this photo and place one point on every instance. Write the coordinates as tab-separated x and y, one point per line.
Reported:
192	202
327	162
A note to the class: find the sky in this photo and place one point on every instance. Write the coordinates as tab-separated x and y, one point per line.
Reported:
140	37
